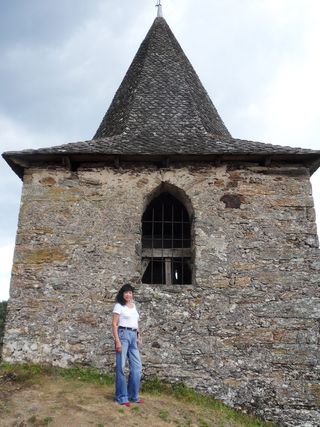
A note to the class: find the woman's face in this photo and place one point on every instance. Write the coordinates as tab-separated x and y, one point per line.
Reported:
127	296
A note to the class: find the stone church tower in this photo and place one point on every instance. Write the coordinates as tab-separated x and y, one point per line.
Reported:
217	234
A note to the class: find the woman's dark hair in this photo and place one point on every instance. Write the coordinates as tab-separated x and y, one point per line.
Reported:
125	288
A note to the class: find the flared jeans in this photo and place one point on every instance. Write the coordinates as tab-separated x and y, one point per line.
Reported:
129	349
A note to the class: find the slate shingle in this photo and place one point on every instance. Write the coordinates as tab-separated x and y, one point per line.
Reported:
161	93
156	145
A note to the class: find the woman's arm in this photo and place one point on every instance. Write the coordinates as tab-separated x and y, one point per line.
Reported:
115	322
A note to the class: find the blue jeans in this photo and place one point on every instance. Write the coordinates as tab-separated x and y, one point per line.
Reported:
129	348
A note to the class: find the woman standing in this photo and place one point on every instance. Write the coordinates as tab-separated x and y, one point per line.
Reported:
125	330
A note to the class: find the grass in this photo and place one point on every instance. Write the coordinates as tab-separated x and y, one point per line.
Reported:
164	415
46	421
27	372
90	375
75	381
181	392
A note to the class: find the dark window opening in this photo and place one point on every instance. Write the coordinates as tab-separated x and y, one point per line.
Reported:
166	242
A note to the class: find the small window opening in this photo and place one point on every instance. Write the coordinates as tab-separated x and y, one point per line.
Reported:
166	242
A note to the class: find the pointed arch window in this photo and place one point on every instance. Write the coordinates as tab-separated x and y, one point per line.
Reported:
166	242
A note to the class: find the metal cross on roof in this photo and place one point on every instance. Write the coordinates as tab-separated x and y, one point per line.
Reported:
159	6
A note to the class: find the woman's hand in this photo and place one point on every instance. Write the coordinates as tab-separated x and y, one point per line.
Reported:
118	346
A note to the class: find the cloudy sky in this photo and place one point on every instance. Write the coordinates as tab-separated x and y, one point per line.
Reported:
62	61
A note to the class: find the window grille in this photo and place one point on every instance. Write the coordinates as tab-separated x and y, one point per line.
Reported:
166	242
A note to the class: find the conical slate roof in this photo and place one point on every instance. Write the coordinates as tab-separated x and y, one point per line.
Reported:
161	94
161	113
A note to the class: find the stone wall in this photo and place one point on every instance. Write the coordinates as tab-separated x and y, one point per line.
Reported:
247	331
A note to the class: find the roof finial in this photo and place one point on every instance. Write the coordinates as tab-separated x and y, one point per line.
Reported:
159	6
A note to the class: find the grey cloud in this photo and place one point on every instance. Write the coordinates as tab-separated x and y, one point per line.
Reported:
66	83
36	22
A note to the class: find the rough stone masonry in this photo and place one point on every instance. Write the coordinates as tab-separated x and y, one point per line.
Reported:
247	329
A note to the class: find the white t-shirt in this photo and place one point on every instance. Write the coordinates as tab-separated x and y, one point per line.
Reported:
128	316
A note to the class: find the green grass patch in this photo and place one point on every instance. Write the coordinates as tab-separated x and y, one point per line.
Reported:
181	392
33	372
40	423
24	372
203	423
32	420
90	375
164	415
47	421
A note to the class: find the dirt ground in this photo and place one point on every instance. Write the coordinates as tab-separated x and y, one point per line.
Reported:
57	402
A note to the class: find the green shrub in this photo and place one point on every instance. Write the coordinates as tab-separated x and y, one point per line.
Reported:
3	312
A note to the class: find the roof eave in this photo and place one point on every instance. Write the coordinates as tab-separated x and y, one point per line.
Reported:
19	161
15	165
